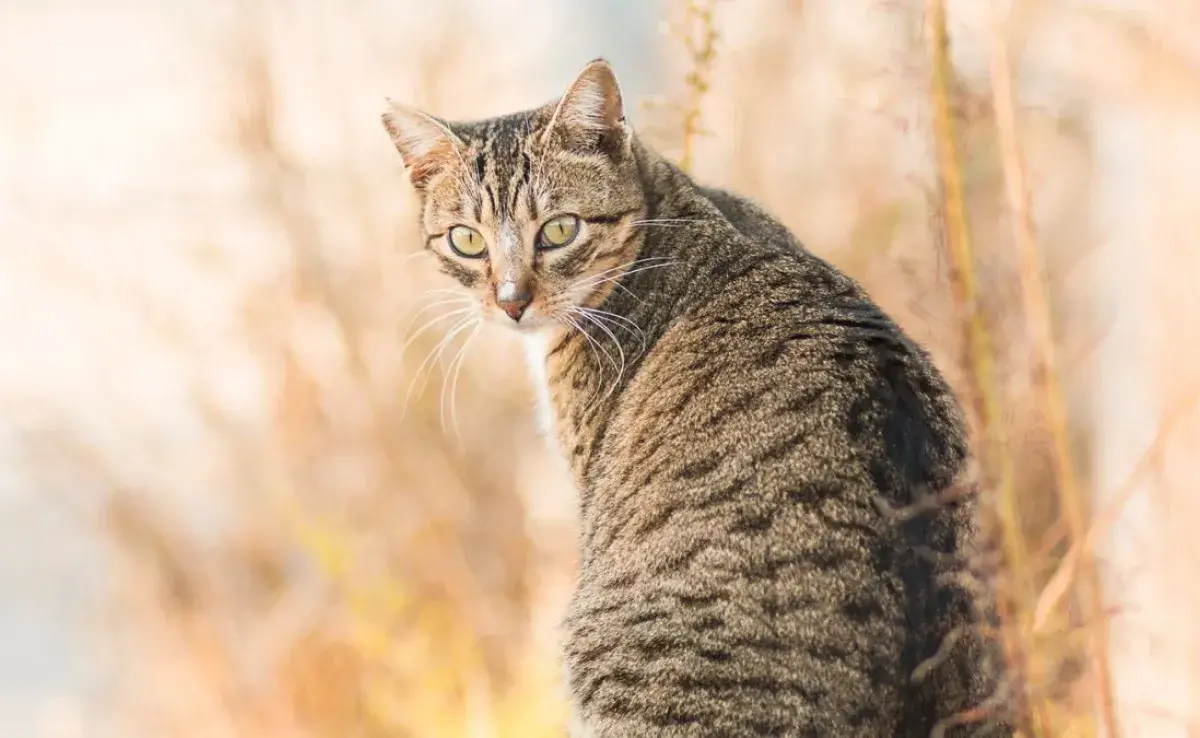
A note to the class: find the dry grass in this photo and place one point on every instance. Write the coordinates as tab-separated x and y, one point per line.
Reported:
322	521
1000	495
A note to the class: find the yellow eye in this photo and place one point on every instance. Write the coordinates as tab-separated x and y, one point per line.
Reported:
559	232
466	242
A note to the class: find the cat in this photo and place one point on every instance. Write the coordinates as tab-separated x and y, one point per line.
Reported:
754	441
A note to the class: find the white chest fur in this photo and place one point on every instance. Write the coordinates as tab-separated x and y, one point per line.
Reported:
537	345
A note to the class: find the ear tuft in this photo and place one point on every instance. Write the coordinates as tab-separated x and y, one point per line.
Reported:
591	112
426	144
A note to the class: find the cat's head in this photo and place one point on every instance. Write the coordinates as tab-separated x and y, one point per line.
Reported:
533	213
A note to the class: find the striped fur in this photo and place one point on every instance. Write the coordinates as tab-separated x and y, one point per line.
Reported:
747	469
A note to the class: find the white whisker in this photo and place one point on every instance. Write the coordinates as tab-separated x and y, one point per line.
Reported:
614	277
632	262
622	266
620	322
620	370
455	296
628	291
446	301
635	266
457	375
593	344
571	322
432	322
452	373
409	257
433	356
670	222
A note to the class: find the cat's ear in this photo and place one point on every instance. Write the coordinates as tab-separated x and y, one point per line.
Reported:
426	144
591	115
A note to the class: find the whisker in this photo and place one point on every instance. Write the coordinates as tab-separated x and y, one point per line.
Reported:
599	345
453	372
433	356
593	345
409	257
620	322
445	301
445	297
627	264
571	322
617	344
432	322
454	296
668	222
614	277
630	263
445	290
608	276
617	285
457	376
628	291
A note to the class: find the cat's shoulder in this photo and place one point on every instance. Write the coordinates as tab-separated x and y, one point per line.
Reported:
751	218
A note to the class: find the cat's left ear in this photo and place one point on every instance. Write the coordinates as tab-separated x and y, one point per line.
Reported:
426	144
591	115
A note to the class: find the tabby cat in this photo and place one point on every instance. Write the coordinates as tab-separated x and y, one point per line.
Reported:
753	440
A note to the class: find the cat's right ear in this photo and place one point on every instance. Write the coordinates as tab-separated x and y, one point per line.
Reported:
590	116
426	144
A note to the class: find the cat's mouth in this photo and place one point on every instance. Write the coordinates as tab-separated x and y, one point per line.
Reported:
529	319
542	311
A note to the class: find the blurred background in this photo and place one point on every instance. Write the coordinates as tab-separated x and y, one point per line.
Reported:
245	489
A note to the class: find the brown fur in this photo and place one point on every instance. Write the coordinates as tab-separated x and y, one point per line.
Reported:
743	424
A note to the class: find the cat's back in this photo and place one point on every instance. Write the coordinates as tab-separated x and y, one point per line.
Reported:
743	575
787	370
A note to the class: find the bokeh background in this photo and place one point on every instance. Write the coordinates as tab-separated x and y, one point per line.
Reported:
245	490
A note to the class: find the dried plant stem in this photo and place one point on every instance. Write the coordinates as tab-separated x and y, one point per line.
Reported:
699	36
1103	520
1037	314
979	350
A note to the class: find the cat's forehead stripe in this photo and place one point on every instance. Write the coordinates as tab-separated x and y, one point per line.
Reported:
503	165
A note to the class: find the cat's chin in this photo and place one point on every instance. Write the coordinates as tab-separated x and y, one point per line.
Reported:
529	324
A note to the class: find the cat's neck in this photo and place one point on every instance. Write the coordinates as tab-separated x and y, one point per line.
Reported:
580	375
537	346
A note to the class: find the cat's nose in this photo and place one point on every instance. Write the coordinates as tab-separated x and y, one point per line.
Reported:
513	299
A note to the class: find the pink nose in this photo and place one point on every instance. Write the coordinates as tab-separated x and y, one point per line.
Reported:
513	300
515	309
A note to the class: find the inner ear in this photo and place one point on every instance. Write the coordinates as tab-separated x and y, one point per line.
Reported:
426	144
590	116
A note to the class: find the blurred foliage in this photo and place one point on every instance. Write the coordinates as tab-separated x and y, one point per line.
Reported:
326	521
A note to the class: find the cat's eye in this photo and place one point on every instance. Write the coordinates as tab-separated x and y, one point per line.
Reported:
559	232
466	242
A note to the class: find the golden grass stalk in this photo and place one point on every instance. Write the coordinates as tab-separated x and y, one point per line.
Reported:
1060	582
1012	608
1038	317
698	33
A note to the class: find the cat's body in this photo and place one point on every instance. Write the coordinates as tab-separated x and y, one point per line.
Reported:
738	577
749	434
